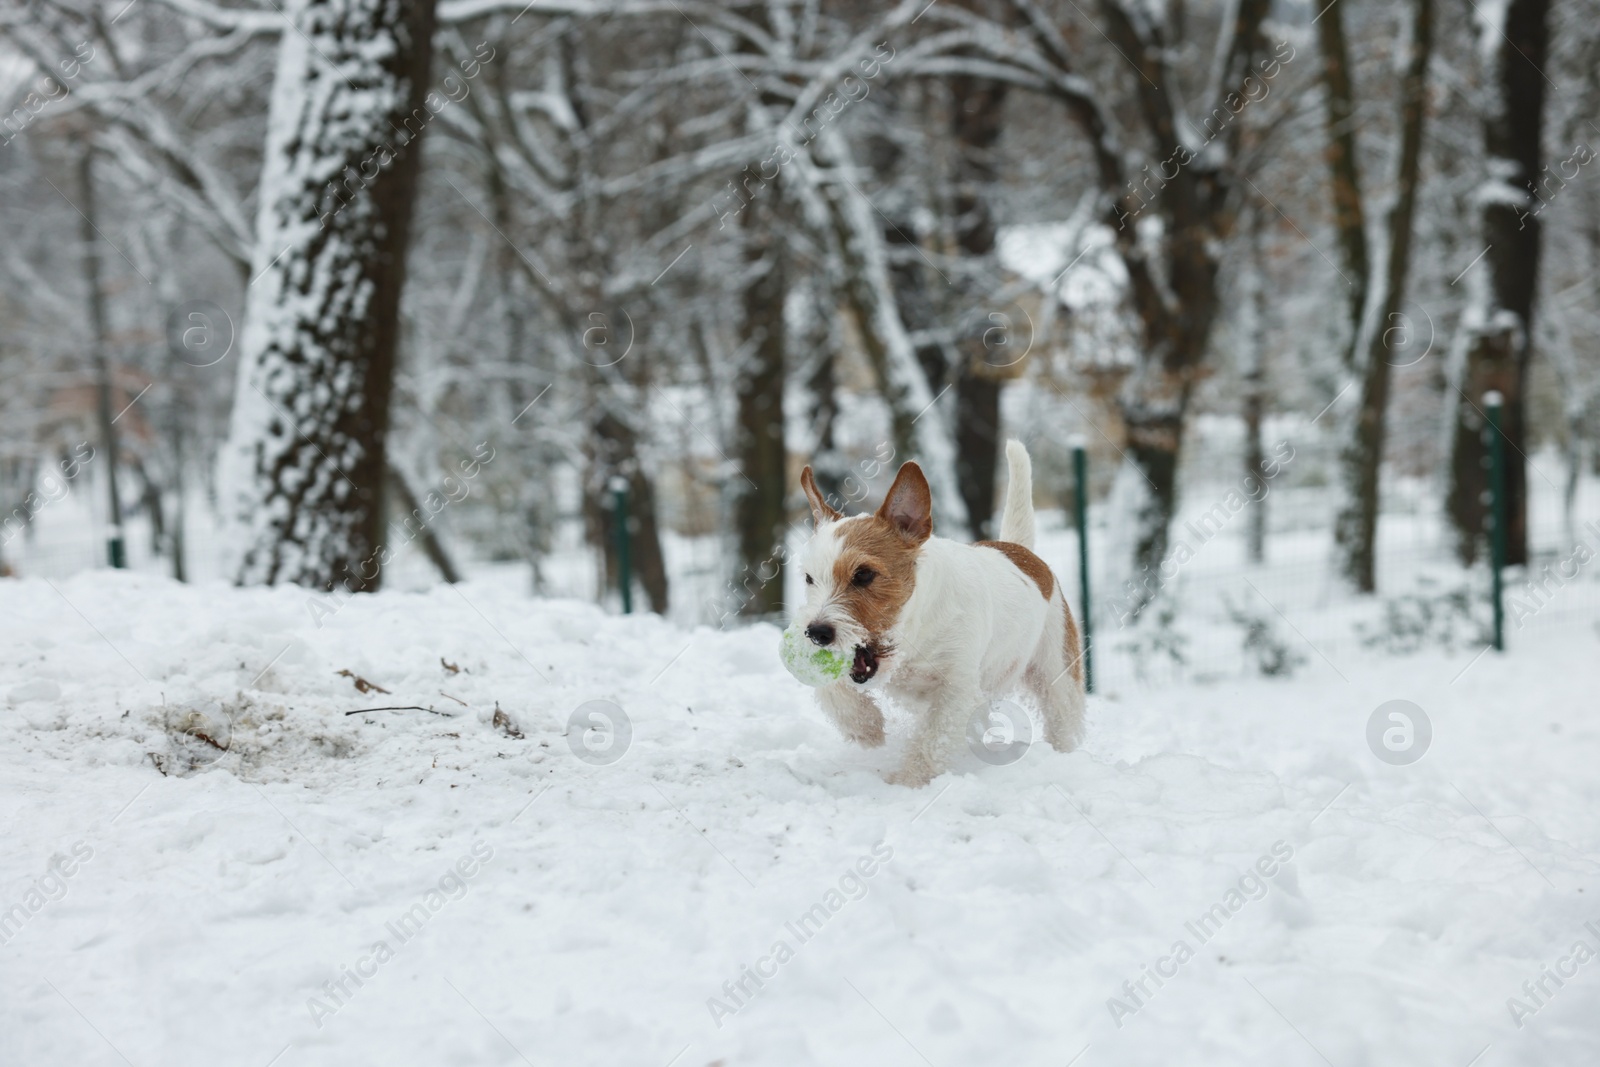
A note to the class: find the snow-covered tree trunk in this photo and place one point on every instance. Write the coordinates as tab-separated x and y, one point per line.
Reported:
1384	334
307	446
1344	171
1497	326
920	430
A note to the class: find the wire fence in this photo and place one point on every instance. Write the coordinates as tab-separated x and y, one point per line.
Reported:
1222	616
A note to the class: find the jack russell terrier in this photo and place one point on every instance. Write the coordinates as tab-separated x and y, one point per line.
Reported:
940	627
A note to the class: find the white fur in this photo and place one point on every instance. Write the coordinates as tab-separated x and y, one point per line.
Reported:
1016	521
974	629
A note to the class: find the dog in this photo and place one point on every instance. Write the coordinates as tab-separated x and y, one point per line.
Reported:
938	626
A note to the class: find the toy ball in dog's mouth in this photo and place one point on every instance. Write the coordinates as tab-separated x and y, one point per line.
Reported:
809	664
816	667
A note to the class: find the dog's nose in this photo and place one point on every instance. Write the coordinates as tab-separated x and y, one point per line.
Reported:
820	633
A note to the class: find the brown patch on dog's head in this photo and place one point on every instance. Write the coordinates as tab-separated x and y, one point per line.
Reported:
821	511
875	569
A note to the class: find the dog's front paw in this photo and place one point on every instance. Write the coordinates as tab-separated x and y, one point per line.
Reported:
912	776
854	713
867	735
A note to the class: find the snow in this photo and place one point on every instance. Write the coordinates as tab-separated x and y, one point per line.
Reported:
1490	21
542	908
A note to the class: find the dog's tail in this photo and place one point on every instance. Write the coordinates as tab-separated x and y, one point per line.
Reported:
1016	522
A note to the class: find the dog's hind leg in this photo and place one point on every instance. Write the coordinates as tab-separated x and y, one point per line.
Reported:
1055	678
856	715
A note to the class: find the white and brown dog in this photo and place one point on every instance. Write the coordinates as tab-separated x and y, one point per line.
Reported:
940	627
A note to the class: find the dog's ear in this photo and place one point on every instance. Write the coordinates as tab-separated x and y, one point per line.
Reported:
820	511
909	505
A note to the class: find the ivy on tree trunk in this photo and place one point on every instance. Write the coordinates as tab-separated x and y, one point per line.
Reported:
311	415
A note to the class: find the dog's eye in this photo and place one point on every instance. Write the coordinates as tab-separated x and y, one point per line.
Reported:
863	576
809	581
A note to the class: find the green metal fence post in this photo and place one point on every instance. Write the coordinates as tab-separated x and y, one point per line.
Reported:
619	499
1492	404
1080	507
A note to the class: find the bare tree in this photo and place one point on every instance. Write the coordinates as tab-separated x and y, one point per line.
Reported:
1378	326
1169	225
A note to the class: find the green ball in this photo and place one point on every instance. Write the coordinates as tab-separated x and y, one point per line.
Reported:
809	664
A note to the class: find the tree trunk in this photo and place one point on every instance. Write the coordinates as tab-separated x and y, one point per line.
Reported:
177	543
1154	432
977	443
918	427
1254	469
1384	332
311	413
1172	269
90	235
977	108
1344	171
908	270
1497	327
758	443
908	277
411	510
820	337
150	501
1255	388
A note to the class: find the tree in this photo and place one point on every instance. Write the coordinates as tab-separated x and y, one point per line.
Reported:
1495	344
917	425
758	442
115	549
977	107
311	411
1378	324
1169	215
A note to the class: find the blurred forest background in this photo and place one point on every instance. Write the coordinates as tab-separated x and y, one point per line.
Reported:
356	292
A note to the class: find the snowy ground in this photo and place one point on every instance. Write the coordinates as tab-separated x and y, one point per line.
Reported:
235	842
